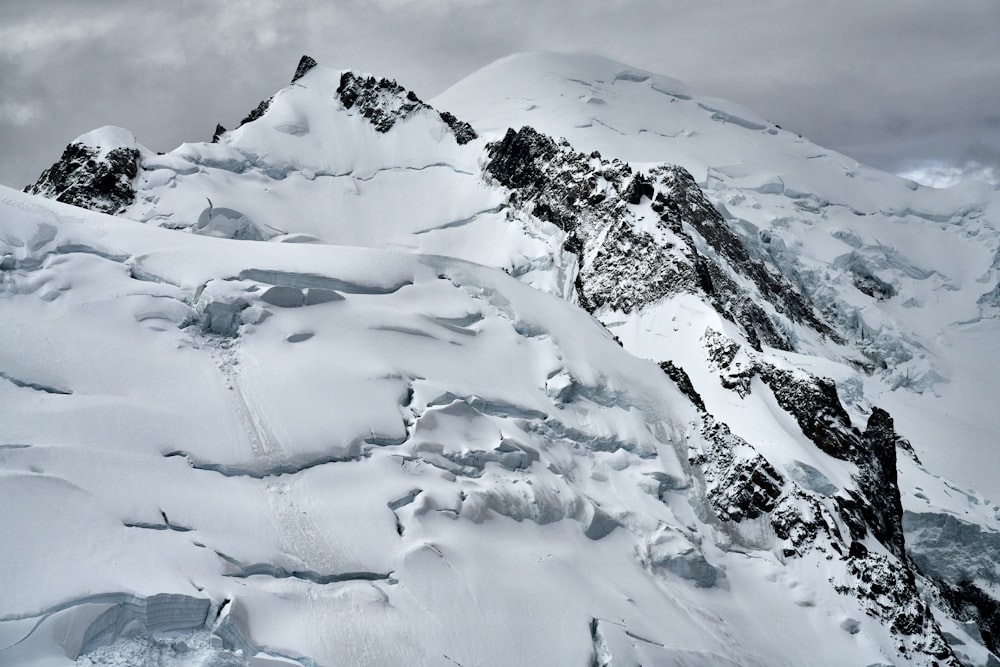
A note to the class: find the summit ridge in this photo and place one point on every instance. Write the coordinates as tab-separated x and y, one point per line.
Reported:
568	364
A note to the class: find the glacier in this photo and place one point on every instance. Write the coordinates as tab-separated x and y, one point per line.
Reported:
569	365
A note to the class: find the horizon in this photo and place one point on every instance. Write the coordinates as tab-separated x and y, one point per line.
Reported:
856	80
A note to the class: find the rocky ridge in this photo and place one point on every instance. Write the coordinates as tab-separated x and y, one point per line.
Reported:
625	265
886	582
637	239
383	102
87	177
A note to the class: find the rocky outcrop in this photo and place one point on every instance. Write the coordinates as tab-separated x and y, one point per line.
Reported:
814	404
683	382
383	102
686	202
877	479
257	112
888	592
803	522
816	408
804	512
623	265
517	160
740	483
86	177
463	131
305	64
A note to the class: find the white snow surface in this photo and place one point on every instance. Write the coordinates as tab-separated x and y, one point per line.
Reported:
147	459
405	456
108	138
938	248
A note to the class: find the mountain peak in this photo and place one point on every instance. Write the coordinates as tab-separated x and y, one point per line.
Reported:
383	102
95	171
305	64
647	360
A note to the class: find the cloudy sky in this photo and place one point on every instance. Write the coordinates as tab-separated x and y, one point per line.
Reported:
907	85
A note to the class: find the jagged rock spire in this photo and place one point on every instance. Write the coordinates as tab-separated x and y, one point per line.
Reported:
305	64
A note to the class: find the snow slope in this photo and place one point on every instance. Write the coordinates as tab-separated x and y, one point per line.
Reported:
337	473
303	416
815	214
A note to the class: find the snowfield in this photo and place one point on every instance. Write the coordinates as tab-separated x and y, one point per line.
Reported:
356	384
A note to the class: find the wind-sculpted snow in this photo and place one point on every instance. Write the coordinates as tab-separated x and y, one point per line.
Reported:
306	400
498	448
365	461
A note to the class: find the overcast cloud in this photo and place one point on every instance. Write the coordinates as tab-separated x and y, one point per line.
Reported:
907	85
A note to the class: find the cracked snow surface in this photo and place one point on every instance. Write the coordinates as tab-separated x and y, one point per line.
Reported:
356	383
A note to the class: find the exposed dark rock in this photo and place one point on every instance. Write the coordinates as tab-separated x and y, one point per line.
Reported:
305	64
971	603
722	352
878	480
888	593
83	178
683	382
681	199
589	198
463	131
515	159
638	187
737	305
219	131
814	404
630	271
383	102
259	111
800	519
740	483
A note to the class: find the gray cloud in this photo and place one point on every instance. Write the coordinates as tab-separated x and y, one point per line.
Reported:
894	83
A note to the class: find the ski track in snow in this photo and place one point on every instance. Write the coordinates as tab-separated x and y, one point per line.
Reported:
535	508
300	537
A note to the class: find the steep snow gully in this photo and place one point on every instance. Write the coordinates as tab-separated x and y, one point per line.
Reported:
568	365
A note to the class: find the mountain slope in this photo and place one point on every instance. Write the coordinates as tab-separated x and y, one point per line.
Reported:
388	429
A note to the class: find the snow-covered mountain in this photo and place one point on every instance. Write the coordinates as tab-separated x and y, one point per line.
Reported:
568	365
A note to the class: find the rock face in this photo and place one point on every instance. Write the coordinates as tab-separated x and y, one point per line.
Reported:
587	198
383	102
687	203
219	131
257	112
598	204
804	512
809	480
305	64
85	177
